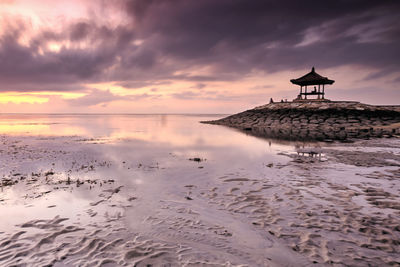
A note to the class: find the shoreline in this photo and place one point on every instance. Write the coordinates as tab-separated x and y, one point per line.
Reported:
319	121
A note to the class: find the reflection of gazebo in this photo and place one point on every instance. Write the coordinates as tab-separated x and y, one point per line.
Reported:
312	78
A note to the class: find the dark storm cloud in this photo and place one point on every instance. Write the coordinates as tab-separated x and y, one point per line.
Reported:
80	31
22	66
165	39
238	35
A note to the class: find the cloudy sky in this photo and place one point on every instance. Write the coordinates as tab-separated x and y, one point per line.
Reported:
192	56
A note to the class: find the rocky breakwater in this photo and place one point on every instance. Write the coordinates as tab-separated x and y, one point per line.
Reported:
324	120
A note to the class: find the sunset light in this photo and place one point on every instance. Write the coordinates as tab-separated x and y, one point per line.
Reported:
180	133
128	49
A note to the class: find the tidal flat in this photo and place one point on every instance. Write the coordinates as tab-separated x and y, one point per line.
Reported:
166	190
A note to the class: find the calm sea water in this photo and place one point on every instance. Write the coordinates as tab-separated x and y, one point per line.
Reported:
123	190
168	130
137	174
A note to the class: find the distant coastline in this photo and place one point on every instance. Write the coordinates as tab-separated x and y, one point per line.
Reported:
317	120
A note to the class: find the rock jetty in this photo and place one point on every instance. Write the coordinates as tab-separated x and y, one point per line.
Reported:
317	120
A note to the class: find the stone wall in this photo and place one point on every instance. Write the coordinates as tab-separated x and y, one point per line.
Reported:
317	120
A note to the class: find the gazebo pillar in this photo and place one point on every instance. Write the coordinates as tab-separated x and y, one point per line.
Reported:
301	91
305	96
323	91
319	91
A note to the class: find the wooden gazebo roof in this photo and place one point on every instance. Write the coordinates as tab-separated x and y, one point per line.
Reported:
312	78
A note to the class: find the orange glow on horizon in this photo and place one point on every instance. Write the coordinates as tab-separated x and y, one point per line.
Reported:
19	99
64	95
35	97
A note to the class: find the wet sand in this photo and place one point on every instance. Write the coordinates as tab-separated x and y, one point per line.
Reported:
100	201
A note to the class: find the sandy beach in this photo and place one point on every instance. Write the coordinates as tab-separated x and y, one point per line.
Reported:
168	191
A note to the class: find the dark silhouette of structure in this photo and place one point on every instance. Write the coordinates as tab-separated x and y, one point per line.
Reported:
310	79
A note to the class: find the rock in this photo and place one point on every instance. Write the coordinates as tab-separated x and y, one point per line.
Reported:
196	159
353	121
317	120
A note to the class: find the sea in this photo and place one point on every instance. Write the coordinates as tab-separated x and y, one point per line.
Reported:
168	190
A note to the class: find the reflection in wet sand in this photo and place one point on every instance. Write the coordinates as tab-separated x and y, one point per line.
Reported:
123	190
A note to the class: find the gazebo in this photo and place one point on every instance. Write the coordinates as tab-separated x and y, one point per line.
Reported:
310	79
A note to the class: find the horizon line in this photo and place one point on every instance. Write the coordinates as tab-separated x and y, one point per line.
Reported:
62	113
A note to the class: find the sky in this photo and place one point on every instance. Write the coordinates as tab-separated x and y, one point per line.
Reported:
192	56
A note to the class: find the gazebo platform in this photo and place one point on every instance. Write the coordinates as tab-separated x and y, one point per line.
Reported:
311	100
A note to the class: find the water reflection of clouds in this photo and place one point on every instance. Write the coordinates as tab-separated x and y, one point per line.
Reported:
179	130
170	130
